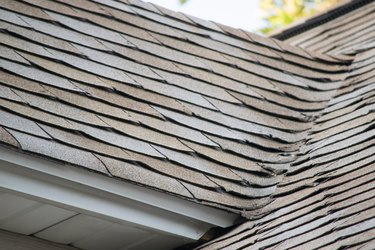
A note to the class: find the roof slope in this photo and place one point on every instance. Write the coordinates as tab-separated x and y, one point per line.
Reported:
349	30
326	200
133	91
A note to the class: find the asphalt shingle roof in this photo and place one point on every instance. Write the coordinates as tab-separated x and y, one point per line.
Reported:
326	199
219	116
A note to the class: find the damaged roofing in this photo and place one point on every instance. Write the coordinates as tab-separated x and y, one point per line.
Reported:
222	117
326	198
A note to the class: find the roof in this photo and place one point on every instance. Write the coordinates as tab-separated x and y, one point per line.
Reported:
173	103
208	113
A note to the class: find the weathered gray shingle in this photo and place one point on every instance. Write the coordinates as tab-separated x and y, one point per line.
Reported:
281	135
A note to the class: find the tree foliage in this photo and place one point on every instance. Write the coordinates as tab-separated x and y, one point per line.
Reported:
279	13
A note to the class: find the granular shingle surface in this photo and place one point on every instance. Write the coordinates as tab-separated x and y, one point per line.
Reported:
280	134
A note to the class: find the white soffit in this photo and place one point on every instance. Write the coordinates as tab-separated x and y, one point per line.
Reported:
104	197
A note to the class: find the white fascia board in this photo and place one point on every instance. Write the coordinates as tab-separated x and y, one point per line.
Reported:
102	196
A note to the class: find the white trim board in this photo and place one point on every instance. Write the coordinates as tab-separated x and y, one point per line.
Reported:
91	193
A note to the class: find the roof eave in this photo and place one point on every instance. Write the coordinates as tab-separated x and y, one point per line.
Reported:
88	192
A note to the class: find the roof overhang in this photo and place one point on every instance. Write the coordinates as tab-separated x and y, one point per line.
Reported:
90	193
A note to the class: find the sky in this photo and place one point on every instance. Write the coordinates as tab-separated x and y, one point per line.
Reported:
242	14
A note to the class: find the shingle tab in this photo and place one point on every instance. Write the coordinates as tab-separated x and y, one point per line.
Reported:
13	121
60	109
35	114
116	4
169	22
93	67
173	14
146	95
12	18
63	70
23	8
82	142
38	75
85	4
88	104
118	140
193	85
198	124
236	124
174	129
90	29
7	138
143	58
18	82
51	149
191	48
223	198
142	133
39	37
143	176
244	190
7	93
10	54
118	62
21	44
170	169
199	164
62	33
144	5
250	151
120	100
174	92
259	117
